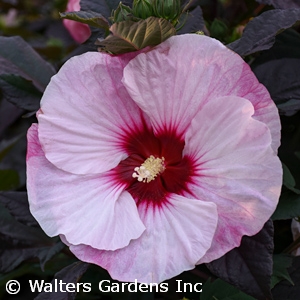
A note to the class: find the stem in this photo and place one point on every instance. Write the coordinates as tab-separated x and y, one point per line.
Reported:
293	246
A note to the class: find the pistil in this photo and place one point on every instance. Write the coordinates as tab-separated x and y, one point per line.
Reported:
149	169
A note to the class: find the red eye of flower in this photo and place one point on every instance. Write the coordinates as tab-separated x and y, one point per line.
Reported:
155	166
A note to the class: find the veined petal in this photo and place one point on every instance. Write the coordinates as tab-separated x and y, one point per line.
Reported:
236	169
174	80
86	209
85	114
176	237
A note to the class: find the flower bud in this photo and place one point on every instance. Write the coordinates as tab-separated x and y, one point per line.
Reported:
142	9
121	13
79	31
167	9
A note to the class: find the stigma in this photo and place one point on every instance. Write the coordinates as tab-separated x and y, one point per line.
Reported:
149	169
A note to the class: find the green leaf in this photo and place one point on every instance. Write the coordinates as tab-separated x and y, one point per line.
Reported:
221	290
218	29
20	92
9	180
288	206
131	36
91	18
19	57
280	264
286	291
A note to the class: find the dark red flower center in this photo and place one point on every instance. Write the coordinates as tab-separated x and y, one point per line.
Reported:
145	149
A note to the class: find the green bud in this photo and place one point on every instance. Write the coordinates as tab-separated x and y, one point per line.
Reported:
167	9
121	13
142	9
218	29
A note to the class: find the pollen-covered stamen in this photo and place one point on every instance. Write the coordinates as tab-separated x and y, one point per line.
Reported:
149	169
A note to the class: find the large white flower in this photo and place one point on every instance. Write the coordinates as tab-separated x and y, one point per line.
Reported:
149	164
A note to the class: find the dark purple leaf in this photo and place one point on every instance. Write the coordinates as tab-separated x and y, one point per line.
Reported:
17	205
12	256
15	232
13	149
285	290
281	3
24	61
19	242
282	79
20	92
193	21
69	274
104	7
260	32
46	253
9	113
249	267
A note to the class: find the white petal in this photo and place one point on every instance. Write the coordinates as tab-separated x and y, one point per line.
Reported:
173	81
85	114
91	210
235	168
176	237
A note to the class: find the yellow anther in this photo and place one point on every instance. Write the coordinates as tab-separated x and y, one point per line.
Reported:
149	169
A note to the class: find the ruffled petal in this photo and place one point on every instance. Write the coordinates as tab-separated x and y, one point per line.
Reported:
235	168
86	113
91	210
172	82
176	237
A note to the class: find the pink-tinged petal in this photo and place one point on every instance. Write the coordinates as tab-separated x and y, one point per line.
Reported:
176	237
79	31
235	168
85	114
64	240
172	82
86	209
73	5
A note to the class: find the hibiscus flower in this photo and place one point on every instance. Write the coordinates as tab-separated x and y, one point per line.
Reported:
148	164
80	32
